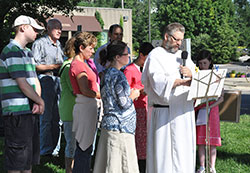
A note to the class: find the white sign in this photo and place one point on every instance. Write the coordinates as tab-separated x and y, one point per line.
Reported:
207	84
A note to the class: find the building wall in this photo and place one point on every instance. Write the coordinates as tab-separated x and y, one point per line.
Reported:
111	16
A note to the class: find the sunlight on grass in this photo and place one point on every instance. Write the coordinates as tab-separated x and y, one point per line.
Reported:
55	168
236	137
234	154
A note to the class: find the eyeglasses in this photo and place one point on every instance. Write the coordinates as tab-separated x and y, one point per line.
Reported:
175	39
125	54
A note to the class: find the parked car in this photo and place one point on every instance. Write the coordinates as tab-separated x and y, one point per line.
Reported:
245	51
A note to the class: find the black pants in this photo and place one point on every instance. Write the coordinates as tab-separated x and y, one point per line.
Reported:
22	147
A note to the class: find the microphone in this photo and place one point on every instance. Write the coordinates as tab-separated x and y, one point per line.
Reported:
184	55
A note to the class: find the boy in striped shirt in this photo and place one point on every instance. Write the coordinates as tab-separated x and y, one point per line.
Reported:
20	92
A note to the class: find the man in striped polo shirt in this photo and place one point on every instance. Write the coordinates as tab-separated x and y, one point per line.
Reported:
20	92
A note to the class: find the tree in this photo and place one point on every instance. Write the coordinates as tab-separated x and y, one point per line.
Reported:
195	15
223	44
243	24
139	21
224	39
40	9
98	34
101	3
214	18
121	21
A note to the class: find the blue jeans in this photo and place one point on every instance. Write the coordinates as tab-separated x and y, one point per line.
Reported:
82	160
70	139
49	121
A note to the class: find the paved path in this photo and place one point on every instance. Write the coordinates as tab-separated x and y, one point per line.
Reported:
242	84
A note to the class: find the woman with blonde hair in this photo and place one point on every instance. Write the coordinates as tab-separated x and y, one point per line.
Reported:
83	81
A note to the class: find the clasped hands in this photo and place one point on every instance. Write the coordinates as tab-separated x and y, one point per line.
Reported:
38	108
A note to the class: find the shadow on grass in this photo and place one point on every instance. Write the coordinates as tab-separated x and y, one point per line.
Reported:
240	158
47	164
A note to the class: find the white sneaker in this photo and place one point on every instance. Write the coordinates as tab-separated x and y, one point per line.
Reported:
212	170
201	170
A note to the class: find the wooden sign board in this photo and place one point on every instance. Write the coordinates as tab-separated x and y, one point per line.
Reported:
230	107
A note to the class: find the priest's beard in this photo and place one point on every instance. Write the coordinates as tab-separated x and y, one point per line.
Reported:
170	48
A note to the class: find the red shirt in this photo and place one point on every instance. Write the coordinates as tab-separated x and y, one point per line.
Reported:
133	76
78	67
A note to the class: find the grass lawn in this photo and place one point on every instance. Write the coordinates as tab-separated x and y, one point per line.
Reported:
234	154
232	157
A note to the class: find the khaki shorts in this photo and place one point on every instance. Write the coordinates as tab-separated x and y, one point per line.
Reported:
116	153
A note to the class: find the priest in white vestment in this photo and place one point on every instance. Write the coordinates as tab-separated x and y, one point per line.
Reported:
171	145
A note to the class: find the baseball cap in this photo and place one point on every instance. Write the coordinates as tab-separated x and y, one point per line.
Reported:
26	20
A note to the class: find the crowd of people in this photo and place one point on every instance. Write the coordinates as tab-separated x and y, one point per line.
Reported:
147	123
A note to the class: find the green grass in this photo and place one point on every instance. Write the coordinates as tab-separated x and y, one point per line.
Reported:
232	157
234	154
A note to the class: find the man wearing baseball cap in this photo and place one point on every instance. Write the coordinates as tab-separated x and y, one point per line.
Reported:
26	20
20	98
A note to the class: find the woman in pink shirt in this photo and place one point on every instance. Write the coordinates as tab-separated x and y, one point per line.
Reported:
83	81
